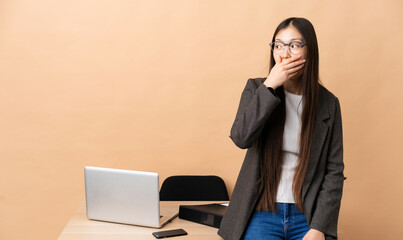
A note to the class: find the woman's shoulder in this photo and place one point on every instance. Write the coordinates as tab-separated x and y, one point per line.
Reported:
254	83
324	92
326	96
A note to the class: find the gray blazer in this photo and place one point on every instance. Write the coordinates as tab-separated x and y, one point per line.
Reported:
323	185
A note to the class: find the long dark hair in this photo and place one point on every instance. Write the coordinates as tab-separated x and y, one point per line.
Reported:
271	141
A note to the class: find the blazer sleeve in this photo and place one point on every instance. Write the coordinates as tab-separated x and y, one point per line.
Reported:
255	107
328	203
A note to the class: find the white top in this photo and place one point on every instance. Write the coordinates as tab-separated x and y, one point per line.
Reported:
292	130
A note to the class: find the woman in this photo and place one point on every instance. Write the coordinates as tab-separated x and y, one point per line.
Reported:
290	184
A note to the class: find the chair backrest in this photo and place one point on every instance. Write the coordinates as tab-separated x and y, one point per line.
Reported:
193	188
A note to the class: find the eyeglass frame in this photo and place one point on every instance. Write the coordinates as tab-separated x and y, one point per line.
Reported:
286	44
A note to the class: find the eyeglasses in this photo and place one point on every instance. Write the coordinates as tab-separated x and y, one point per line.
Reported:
294	46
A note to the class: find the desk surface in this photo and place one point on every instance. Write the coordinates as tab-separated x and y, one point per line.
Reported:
79	227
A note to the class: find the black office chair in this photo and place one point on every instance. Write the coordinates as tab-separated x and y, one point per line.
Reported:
193	188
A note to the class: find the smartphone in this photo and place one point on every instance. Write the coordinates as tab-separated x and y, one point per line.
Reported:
170	233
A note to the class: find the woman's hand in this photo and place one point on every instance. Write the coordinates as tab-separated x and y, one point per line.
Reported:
314	234
284	70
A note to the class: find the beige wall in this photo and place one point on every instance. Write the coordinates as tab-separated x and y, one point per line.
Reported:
154	86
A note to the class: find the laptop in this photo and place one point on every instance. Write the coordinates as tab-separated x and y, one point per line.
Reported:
124	196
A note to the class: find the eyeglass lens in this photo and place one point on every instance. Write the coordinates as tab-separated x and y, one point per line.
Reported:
295	47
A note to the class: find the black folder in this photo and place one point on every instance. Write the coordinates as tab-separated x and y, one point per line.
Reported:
207	214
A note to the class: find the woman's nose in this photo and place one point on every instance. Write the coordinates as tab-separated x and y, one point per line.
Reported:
286	52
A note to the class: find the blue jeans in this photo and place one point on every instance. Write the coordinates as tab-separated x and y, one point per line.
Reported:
286	224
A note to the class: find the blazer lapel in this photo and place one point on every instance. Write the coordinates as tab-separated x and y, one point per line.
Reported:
319	135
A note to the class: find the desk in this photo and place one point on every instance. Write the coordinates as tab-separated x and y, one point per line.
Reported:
80	227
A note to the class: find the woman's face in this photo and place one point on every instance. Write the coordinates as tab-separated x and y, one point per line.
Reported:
286	35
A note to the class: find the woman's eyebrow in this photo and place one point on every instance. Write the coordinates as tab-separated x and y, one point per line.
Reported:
292	39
